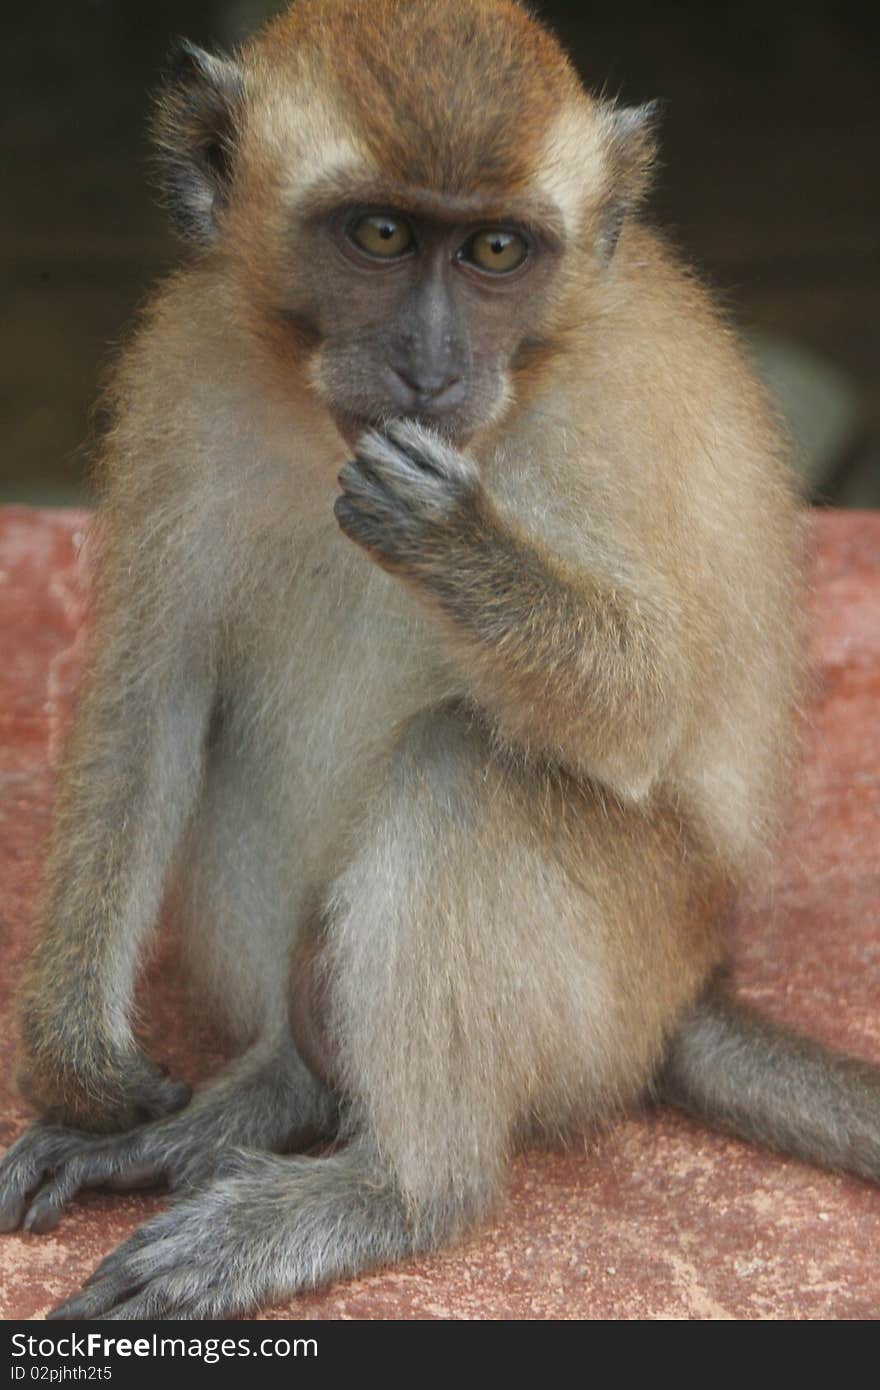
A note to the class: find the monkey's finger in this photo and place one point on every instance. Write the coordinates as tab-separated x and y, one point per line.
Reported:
383	539
191	1292
163	1097
428	452
182	1304
152	1303
133	1290
178	1295
386	457
360	484
418	481
418	491
369	501
428	485
46	1207
398	498
367	531
386	512
17	1181
406	442
423	445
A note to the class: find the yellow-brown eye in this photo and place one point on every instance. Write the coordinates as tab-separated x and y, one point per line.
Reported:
382	235
497	251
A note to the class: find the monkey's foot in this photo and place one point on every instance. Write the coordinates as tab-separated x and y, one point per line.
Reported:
269	1229
202	1259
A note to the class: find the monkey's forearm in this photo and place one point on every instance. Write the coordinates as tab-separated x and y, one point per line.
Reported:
133	769
567	661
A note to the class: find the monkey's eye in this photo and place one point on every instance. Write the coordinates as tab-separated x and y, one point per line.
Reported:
495	250
382	235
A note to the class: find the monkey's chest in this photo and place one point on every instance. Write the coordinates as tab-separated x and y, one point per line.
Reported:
322	687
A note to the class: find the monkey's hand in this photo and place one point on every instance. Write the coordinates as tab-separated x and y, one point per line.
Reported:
407	496
59	1155
106	1092
575	661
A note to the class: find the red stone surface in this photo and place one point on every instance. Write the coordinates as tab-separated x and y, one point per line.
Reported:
657	1219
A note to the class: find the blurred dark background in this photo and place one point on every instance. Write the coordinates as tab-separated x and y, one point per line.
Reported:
769	184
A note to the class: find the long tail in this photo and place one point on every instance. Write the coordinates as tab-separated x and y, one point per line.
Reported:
758	1081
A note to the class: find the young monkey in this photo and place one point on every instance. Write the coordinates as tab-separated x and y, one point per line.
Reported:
482	737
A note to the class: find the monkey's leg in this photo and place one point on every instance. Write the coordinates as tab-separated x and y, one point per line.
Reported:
412	964
475	987
266	1100
760	1081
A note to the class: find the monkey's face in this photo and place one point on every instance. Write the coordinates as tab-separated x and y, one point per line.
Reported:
391	189
418	307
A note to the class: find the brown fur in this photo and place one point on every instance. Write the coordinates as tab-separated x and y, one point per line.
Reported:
429	121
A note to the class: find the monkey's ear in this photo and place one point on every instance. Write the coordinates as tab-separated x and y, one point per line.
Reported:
195	130
630	133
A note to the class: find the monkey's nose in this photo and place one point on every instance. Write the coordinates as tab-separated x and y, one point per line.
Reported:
417	390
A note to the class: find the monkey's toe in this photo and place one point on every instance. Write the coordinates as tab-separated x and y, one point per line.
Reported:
44	1212
22	1170
12	1208
49	1165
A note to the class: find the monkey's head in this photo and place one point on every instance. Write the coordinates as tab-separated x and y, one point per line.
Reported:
406	194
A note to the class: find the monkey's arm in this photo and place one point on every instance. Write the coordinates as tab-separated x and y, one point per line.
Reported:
576	663
132	769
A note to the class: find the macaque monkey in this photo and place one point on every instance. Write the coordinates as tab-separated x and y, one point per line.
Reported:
447	641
